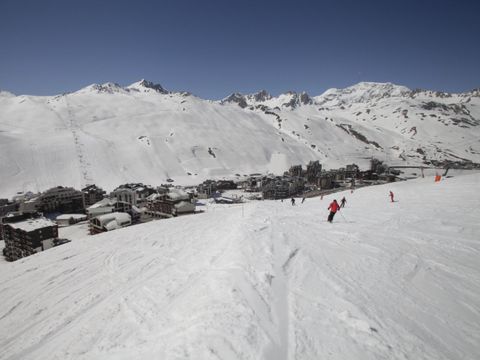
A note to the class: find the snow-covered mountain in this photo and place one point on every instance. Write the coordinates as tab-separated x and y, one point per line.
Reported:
109	134
262	281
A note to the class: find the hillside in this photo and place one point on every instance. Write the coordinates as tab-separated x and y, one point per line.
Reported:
108	134
264	281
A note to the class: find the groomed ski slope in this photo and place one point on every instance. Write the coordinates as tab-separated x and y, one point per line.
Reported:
265	280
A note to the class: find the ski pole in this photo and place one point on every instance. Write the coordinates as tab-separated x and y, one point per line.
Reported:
343	216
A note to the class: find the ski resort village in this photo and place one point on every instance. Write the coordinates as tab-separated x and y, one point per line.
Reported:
29	222
239	180
141	223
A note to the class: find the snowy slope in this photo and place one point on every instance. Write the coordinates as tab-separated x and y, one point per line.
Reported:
108	134
266	281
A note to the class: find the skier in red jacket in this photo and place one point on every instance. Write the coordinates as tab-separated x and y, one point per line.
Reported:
391	196
334	207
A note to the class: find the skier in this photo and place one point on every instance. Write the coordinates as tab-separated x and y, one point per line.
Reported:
293	201
342	202
334	207
391	196
303	199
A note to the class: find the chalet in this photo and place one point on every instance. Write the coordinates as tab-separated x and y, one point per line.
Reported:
109	222
175	202
27	234
92	194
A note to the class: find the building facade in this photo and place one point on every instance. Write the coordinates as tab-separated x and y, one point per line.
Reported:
61	199
27	234
134	193
92	194
109	222
175	202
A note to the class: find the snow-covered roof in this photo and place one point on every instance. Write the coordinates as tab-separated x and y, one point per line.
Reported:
152	197
114	220
102	203
184	205
32	224
178	194
119	217
136	209
71	216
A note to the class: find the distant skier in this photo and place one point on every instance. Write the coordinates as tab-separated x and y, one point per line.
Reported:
391	196
343	202
334	207
293	201
303	199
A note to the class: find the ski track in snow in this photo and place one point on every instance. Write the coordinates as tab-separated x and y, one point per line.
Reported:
263	280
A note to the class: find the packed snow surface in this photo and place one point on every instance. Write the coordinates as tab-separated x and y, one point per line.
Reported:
263	280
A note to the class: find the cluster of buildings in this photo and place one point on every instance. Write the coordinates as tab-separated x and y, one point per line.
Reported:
298	180
314	180
27	228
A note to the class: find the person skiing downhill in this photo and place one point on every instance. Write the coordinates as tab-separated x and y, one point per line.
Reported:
293	201
343	202
333	207
391	196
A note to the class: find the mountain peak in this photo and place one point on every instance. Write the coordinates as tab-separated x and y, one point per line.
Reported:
260	96
364	92
237	98
108	87
145	85
297	99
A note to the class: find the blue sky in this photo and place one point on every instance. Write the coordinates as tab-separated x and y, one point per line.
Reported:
213	48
